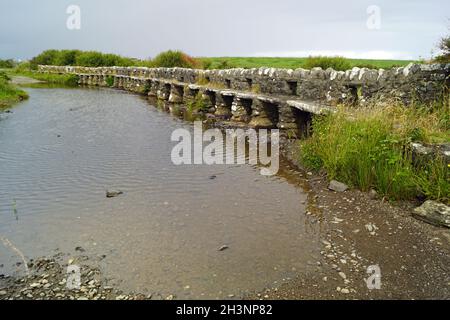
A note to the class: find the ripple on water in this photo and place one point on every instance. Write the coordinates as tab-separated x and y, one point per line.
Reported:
63	148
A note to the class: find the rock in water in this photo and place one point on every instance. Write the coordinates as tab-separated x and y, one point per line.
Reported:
337	186
113	193
433	212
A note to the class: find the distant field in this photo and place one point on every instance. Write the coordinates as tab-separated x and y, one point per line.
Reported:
292	63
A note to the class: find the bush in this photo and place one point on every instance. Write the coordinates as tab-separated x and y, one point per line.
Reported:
7	64
98	59
171	59
66	57
337	63
4	76
80	58
47	57
370	148
444	46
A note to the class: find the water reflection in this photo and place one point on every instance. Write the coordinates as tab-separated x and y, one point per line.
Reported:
62	149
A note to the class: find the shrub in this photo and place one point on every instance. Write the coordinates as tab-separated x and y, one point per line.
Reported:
171	59
4	76
80	58
98	59
47	57
444	47
7	64
109	81
337	63
66	57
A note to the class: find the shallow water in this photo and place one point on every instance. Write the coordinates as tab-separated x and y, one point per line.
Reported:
60	151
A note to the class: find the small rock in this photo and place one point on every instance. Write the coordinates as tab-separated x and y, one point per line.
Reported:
345	291
434	213
371	227
373	194
113	193
224	247
3	293
170	297
337	186
80	249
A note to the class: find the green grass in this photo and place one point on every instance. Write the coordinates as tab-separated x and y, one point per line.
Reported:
291	63
370	148
8	93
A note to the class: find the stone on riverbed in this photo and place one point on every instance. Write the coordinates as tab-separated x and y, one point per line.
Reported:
337	186
433	212
113	193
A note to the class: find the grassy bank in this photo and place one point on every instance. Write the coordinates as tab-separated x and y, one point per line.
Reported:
293	63
371	148
60	79
8	93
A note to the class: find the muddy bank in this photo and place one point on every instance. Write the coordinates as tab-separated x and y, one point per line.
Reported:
363	230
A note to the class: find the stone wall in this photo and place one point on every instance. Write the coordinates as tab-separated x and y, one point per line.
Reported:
268	97
423	83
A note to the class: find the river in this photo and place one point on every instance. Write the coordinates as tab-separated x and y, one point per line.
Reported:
64	147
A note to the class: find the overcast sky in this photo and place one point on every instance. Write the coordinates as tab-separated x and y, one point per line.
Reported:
142	28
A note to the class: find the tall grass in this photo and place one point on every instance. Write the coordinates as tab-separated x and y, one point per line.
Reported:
371	148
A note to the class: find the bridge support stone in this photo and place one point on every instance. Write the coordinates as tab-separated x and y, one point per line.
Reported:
223	105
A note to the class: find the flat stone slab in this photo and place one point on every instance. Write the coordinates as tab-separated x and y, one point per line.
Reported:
434	213
310	107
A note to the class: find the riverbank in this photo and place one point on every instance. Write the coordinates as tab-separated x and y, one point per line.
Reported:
362	229
23	76
9	94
